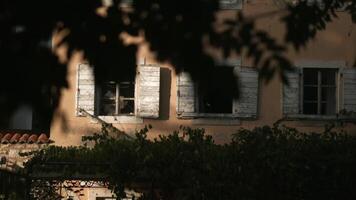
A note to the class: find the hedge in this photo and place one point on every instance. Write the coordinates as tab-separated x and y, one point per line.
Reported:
264	163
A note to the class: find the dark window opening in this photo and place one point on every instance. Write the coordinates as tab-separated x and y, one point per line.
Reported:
217	96
116	98
25	118
319	91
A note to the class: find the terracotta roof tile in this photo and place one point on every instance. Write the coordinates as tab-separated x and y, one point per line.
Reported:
42	139
32	139
6	138
15	138
23	138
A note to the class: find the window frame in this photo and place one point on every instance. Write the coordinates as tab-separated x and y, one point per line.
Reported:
232	118
340	65
231	64
98	99
125	119
319	86
198	100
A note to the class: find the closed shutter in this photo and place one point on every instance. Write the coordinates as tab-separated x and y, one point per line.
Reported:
85	90
349	89
148	87
291	94
247	103
185	94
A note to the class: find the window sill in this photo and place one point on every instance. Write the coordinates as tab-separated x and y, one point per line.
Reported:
120	119
213	119
206	115
217	122
319	117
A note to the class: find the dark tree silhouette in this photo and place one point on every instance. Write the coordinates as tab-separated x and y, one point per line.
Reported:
176	30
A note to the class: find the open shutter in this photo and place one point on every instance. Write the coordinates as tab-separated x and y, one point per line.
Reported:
185	94
247	103
349	89
291	94
86	89
231	4
148	80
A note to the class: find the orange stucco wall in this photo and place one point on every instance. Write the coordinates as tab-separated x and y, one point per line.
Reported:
337	42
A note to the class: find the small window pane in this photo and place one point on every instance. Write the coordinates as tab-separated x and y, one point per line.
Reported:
328	76
328	94
127	89
310	76
310	108
310	93
127	107
107	99
108	91
328	100
328	108
107	107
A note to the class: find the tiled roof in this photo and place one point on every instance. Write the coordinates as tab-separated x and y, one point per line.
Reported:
23	138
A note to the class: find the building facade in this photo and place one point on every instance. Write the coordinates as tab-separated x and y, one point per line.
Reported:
320	91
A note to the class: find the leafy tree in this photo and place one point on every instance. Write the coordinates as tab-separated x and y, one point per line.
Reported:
177	32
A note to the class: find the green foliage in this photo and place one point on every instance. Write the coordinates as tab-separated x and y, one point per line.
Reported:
263	163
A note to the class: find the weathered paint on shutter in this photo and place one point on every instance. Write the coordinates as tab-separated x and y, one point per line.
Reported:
231	4
247	103
291	94
86	89
349	89
148	80
185	94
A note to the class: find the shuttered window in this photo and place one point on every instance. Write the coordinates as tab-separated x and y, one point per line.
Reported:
139	97
320	92
196	102
311	91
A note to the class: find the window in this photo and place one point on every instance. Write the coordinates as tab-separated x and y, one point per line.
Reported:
216	99
25	117
116	98
119	102
319	91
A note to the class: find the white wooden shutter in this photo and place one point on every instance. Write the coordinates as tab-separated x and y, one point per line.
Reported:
231	4
349	89
86	89
185	94
148	86
291	94
247	103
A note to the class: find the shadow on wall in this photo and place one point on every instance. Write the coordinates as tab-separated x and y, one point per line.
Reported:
165	93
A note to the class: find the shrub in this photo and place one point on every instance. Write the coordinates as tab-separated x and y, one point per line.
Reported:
263	163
